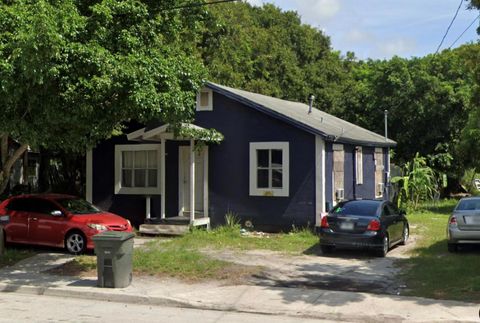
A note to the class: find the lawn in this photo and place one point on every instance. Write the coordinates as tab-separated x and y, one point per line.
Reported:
181	257
432	271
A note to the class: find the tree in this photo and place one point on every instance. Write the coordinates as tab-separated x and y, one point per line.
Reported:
72	71
269	51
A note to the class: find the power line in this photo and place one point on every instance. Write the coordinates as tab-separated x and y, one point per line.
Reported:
194	5
449	26
469	26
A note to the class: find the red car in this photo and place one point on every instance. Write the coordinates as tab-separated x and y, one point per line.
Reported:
57	220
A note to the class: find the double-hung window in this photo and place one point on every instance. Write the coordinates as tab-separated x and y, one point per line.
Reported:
269	168
137	169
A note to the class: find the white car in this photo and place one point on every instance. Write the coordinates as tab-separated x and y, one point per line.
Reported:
464	223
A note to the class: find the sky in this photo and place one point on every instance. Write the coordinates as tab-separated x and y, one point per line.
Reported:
383	28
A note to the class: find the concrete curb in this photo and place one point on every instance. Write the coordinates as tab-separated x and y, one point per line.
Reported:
120	296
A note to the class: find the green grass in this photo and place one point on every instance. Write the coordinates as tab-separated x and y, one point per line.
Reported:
12	256
181	257
432	271
295	242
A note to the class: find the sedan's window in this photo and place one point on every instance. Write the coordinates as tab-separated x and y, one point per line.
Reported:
77	206
360	208
42	206
18	205
467	205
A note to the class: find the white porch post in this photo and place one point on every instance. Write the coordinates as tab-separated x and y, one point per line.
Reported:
205	182
319	179
162	177
192	181
148	212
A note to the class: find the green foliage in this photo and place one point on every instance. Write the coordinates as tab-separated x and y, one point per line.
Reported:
71	72
232	221
418	183
269	51
467	181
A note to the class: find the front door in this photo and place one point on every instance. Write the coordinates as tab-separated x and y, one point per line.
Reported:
184	179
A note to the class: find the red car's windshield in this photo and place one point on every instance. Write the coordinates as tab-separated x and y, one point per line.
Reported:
77	206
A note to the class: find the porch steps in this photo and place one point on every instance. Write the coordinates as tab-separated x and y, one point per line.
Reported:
164	229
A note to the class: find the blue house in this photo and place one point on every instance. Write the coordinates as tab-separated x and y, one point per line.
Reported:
281	164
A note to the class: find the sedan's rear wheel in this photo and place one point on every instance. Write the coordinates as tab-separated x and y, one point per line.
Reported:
75	243
385	246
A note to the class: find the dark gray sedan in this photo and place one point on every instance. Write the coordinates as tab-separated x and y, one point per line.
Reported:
464	223
369	224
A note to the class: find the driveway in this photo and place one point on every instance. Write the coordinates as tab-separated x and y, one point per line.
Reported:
344	270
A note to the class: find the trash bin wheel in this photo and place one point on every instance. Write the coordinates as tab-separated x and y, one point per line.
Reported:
75	242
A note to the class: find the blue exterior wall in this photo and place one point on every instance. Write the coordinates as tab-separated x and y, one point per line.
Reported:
367	189
229	167
131	207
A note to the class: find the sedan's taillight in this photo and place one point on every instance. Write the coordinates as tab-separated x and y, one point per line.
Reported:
324	223
374	225
453	220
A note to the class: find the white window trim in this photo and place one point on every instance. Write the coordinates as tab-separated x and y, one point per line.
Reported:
377	168
359	165
254	190
118	170
209	106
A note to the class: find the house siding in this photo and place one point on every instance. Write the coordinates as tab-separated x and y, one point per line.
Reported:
129	206
229	167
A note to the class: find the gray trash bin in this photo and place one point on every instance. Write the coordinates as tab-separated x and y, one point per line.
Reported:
114	252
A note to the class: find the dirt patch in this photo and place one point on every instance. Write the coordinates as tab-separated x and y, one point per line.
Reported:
344	270
73	268
230	275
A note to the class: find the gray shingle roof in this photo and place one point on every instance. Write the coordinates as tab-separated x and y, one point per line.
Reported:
317	122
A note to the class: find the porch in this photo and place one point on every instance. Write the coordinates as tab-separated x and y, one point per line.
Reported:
192	180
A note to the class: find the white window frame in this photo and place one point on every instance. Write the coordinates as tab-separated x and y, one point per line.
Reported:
119	149
379	167
209	106
254	190
359	165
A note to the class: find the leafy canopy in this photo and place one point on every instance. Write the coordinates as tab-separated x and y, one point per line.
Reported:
71	71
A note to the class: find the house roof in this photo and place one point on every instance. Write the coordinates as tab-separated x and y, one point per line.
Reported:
296	113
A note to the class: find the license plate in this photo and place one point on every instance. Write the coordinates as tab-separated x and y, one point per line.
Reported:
346	226
472	219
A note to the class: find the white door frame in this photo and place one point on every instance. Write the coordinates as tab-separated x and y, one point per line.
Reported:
181	163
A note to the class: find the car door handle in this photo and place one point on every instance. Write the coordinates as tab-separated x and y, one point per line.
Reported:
33	219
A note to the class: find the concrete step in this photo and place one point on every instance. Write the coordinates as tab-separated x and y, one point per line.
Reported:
166	229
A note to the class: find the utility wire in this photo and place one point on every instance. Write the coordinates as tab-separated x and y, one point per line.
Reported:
194	5
449	26
469	26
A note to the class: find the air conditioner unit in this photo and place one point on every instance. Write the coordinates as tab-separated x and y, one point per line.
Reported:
380	187
339	194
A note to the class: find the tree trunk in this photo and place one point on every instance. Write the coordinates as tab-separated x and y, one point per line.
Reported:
7	160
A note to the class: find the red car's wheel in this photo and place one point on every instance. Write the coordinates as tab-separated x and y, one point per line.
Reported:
75	242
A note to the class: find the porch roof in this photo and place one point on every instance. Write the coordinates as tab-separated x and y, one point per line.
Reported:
163	131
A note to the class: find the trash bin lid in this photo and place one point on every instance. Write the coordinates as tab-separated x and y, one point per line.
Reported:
113	236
